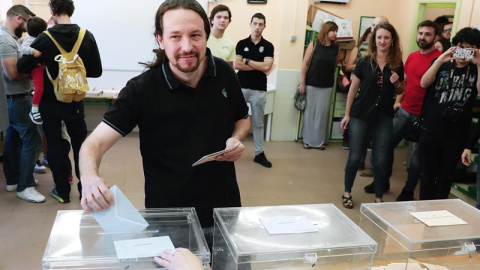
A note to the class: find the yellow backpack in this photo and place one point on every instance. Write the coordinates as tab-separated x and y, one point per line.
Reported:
71	82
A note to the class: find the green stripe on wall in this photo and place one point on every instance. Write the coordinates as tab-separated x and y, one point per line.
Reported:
440	5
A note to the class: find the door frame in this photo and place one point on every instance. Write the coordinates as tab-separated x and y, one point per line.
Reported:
421	6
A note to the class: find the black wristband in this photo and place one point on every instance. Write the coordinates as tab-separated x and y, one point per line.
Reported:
246	61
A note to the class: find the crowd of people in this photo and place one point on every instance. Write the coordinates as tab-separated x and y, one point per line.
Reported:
176	103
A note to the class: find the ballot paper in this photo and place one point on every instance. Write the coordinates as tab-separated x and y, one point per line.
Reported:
288	224
211	157
438	218
121	216
143	247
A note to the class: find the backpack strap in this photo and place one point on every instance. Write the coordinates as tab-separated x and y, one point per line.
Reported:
76	46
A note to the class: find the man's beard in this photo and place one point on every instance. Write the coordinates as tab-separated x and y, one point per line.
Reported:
189	68
19	31
423	44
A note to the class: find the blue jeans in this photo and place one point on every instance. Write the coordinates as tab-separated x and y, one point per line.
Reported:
402	123
22	144
478	184
380	129
257	100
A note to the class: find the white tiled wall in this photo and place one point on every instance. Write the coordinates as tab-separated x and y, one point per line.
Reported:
285	116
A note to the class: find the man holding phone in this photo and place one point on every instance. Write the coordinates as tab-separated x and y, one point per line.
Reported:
453	85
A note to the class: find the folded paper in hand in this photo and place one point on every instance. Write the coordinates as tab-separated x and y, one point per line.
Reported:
122	216
211	157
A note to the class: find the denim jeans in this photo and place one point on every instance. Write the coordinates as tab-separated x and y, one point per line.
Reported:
402	123
257	100
22	144
478	183
380	129
74	117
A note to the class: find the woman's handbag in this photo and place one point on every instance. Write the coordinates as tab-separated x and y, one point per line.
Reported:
300	101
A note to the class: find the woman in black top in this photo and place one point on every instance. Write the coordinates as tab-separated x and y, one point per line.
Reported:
317	77
369	111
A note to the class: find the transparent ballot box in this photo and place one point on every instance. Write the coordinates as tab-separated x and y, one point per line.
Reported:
441	234
77	241
299	237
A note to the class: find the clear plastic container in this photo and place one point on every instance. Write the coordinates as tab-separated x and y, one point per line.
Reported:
402	238
242	242
78	242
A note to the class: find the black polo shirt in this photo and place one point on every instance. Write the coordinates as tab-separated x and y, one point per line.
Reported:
371	97
254	79
178	125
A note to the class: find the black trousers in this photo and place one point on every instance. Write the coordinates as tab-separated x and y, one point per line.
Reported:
57	150
439	157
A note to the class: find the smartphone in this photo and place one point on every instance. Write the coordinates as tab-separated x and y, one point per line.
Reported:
462	53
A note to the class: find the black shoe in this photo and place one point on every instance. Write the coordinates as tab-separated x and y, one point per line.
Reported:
405	195
57	196
371	188
262	160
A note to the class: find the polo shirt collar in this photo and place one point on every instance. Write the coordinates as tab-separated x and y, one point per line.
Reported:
260	41
6	29
173	83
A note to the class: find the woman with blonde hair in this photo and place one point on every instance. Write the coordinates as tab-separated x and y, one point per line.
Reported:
369	111
316	79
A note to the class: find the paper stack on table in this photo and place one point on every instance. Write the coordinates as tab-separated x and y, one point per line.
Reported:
94	92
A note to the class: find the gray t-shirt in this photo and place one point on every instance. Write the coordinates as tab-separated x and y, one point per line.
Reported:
10	48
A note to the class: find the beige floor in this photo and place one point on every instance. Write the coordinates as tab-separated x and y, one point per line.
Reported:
298	176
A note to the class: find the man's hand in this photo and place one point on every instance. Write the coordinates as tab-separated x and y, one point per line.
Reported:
95	194
467	157
233	155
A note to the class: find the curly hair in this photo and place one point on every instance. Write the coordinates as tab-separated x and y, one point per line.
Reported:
467	35
35	26
394	56
62	7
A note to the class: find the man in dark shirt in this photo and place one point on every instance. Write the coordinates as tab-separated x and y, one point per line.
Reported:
53	111
254	59
187	105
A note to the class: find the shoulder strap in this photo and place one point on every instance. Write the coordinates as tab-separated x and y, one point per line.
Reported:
75	48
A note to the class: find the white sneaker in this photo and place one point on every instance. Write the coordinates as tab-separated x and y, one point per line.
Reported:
11	188
39	168
30	194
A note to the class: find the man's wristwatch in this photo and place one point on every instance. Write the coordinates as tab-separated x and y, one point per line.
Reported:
246	60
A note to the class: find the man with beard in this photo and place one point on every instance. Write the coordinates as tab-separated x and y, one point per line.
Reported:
22	141
254	60
408	105
187	105
53	111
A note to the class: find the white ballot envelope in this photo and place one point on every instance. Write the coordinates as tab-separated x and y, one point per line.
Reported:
211	157
142	248
122	216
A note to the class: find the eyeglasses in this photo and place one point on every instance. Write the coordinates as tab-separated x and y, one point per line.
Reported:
447	30
380	79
